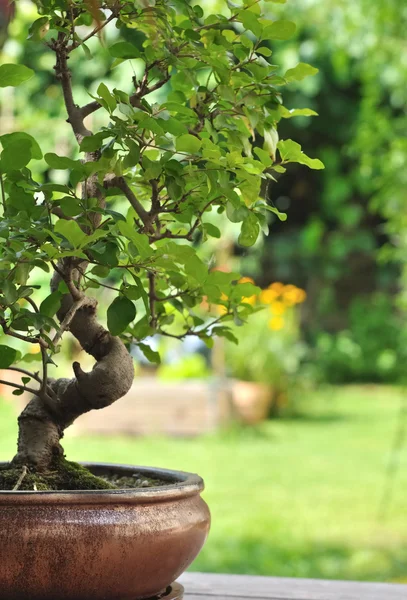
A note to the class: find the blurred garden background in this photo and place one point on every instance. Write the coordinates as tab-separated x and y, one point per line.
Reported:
299	431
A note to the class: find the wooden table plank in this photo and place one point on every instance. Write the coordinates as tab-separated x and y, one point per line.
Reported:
202	586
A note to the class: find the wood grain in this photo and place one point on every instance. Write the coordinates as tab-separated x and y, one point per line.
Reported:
205	586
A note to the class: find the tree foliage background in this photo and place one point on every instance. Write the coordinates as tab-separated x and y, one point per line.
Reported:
345	237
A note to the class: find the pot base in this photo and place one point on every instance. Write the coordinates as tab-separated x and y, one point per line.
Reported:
174	591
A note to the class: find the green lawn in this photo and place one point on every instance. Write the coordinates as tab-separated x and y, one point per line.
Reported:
292	498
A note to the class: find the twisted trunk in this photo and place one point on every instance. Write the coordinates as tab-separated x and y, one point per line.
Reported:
43	422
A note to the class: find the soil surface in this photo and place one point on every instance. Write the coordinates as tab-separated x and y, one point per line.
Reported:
70	476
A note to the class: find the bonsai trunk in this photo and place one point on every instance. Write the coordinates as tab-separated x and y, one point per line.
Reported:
44	420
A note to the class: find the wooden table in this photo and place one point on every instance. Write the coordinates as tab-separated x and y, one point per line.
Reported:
203	586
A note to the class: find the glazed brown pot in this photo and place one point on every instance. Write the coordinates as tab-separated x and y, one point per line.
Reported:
101	545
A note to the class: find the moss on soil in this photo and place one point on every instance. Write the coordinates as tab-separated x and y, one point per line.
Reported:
67	475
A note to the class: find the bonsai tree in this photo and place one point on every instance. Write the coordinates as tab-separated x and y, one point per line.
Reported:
192	135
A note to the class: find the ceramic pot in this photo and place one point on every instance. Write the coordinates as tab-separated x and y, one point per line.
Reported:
101	545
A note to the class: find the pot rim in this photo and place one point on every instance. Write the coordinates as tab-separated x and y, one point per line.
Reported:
181	484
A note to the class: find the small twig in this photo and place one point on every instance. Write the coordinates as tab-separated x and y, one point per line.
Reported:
25	372
57	210
67	278
187	236
21	478
109	287
33	304
93	32
24	338
68	318
24	388
122	184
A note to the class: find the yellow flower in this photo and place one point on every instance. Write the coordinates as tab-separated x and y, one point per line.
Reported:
301	295
246	280
250	300
293	295
276	323
276	287
290	295
278	308
268	296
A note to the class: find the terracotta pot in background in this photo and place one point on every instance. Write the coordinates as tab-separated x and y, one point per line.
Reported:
101	545
251	401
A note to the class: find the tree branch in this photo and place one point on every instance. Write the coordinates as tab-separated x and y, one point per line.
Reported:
25	372
75	118
96	30
24	338
122	184
135	98
189	234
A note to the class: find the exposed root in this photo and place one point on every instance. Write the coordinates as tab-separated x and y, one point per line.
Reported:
21	478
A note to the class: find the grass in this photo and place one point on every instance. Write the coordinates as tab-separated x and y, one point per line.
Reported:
296	497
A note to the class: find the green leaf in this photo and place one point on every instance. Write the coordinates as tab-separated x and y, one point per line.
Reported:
61	162
151	355
299	72
250	21
71	207
131	159
38	29
9	291
140	240
16	155
296	112
9	138
273	209
250	230
120	313
110	100
188	143
264	51
173	126
264	157
71	231
290	151
194	267
7	356
14	75
51	304
280	30
90	143
212	230
124	50
236	214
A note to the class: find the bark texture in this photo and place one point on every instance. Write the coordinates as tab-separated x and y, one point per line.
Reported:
42	422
